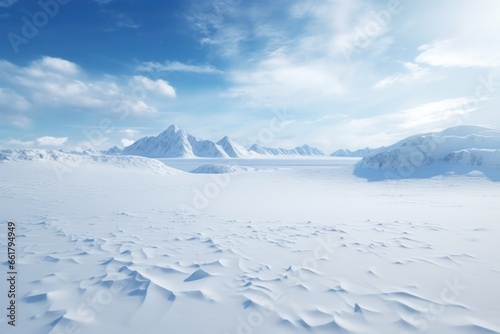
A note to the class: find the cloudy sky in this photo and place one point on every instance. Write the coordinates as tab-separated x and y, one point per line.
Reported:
329	73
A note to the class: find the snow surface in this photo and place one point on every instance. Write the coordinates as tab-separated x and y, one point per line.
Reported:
221	169
308	249
459	149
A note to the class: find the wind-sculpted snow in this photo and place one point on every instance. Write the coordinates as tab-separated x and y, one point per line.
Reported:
460	149
309	249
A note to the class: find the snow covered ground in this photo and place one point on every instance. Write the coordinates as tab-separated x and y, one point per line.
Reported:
116	246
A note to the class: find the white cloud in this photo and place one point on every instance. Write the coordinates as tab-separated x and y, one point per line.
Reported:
130	132
386	129
58	83
15	143
11	100
281	80
13	108
159	86
176	66
414	72
127	142
460	52
56	65
51	141
470	38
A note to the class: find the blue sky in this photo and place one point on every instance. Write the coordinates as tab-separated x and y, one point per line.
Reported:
329	73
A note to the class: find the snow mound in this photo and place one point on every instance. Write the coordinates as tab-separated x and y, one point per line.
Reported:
221	169
75	159
438	152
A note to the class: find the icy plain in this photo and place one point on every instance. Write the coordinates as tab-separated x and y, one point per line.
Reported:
120	245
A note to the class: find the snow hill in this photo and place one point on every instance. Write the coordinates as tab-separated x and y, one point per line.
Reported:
304	150
361	153
466	146
77	159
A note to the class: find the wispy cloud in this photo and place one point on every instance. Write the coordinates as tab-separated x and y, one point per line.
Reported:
175	66
7	3
13	109
458	52
472	41
413	73
385	129
103	2
16	144
158	86
119	20
51	141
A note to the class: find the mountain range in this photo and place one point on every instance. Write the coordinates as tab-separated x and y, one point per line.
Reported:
177	143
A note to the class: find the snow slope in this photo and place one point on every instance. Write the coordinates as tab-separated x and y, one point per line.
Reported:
304	150
175	143
64	161
468	147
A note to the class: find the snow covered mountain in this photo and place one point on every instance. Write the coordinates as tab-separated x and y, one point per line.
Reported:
361	153
457	146
304	150
113	150
233	149
175	143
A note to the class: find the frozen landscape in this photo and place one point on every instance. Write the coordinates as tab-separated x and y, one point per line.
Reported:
249	167
117	243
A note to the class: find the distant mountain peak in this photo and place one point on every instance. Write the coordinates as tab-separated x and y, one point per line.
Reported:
304	150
